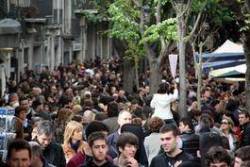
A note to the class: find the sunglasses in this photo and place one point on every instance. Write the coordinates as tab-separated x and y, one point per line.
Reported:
223	122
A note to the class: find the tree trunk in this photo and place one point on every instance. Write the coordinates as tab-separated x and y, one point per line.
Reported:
155	75
182	46
247	54
128	76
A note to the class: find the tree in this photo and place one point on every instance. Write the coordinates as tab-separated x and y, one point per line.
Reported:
133	21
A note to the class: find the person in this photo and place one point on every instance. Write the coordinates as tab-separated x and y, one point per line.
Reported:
127	146
111	121
52	151
124	117
151	142
227	131
241	155
161	102
80	157
217	157
19	119
137	130
73	140
172	155
190	141
37	159
244	120
99	147
19	154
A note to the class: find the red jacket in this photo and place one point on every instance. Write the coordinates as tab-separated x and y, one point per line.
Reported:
77	160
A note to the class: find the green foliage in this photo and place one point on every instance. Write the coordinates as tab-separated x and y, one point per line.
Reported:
166	29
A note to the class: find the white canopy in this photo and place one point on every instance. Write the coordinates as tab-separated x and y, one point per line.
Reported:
229	47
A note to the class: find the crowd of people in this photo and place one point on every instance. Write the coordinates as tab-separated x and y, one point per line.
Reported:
80	116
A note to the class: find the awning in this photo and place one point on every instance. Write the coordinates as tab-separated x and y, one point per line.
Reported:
9	26
230	72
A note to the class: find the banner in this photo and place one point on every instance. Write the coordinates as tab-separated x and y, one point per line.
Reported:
173	59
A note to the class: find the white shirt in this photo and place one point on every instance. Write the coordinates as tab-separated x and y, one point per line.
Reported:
161	104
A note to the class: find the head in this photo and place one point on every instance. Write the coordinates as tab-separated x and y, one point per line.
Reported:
169	137
19	154
244	117
20	112
163	88
242	155
113	109
127	144
217	157
24	102
185	125
155	124
99	146
96	126
227	124
73	132
44	133
37	154
124	117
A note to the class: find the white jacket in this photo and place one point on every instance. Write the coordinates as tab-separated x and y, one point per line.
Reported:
161	104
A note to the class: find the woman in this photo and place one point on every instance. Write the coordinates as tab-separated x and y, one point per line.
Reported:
127	144
19	120
161	102
226	129
73	140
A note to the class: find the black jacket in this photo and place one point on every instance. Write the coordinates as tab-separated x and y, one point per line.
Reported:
166	161
245	138
90	163
190	143
54	155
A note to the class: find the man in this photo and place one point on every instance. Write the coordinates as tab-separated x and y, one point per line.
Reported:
190	141
52	152
244	120
242	155
172	155
217	157
99	147
19	154
124	117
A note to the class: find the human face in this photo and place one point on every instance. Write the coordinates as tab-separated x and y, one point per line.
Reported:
224	124
22	115
24	104
44	140
77	135
182	127
128	151
19	158
243	119
237	162
124	118
168	142
219	164
99	150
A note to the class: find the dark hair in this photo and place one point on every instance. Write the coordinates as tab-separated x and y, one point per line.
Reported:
18	145
155	124
127	138
96	136
243	111
243	153
187	121
163	88
217	154
44	127
18	110
77	118
95	126
113	109
170	128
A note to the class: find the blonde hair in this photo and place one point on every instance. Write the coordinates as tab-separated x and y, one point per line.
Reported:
70	128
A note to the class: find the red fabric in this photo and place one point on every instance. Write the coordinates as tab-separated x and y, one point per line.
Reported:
76	160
